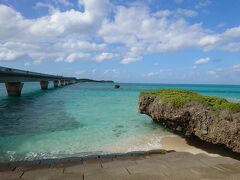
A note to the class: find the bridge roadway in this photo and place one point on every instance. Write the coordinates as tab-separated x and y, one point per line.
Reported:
14	78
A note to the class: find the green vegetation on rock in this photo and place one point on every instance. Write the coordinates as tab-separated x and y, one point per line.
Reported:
179	98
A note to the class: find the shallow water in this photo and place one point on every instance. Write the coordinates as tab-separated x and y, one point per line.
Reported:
84	118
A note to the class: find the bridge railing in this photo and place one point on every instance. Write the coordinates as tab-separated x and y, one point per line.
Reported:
13	79
11	71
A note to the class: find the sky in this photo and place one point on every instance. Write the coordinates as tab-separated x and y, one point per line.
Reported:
141	41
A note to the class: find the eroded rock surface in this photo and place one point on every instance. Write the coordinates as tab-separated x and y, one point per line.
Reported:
194	118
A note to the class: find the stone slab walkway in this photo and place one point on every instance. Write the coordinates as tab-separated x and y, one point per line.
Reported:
139	166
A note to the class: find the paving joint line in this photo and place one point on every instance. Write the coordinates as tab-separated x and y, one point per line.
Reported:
128	171
20	177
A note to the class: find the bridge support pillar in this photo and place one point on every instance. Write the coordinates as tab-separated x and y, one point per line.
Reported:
14	88
56	83
62	82
66	82
44	85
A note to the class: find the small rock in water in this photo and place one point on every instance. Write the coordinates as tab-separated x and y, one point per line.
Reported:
117	86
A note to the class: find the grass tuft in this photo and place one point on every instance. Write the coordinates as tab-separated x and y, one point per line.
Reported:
179	98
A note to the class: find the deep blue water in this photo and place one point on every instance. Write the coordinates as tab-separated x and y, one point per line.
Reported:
84	118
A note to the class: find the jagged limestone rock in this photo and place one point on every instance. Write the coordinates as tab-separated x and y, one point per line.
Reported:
211	119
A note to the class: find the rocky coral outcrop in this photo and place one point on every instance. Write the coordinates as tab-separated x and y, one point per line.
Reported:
194	117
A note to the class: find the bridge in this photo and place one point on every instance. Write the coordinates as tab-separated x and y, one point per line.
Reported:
14	78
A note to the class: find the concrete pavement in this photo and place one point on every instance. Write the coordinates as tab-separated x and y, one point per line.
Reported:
150	166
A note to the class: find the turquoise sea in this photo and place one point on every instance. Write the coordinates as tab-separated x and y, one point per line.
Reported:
83	119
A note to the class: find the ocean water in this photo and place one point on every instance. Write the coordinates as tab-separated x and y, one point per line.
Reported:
83	119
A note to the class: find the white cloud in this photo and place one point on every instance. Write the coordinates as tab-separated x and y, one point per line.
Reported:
202	61
150	74
236	68
53	5
27	64
163	13
128	60
65	2
104	56
134	30
71	35
229	72
226	41
215	73
158	73
75	56
203	4
212	72
8	55
61	36
49	6
209	40
187	12
232	32
178	12
80	45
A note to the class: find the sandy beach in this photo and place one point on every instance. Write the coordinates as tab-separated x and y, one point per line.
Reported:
179	144
145	143
170	143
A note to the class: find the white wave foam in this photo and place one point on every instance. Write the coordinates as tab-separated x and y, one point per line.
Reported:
152	143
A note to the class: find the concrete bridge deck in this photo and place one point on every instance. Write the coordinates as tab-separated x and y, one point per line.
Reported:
16	75
13	79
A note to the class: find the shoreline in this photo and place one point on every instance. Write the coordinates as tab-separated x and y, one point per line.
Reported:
152	164
172	142
168	143
70	161
12	165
